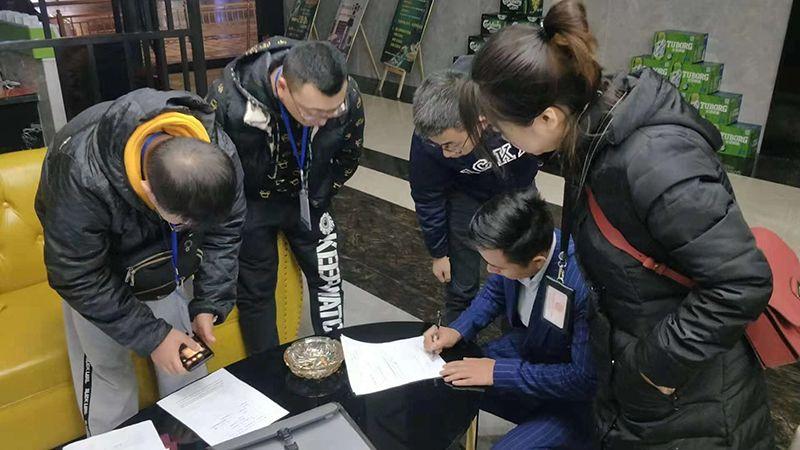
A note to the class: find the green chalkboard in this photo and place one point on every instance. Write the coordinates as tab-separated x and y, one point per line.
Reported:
405	34
301	19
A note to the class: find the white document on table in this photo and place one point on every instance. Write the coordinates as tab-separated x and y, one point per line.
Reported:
221	407
141	436
378	367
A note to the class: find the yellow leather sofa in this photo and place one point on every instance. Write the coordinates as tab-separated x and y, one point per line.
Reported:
37	403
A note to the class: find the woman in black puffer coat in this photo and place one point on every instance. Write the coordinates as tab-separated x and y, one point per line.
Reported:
675	368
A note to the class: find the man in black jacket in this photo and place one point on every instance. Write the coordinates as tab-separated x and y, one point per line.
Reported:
298	124
449	181
136	196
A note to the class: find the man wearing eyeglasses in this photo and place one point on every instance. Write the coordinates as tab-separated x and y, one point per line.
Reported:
450	178
297	121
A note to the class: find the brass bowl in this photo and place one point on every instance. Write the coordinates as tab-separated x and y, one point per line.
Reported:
314	357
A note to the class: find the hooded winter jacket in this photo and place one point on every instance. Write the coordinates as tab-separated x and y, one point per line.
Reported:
96	227
659	181
248	109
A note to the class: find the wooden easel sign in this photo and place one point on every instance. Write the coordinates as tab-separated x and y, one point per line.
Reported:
404	42
301	20
346	27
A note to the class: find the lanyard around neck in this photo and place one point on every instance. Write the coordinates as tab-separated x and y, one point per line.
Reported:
147	143
299	156
173	232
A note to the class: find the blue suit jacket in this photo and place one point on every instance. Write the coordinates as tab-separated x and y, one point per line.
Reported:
549	364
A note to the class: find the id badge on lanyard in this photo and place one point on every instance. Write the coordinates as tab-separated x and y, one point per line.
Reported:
305	207
300	157
558	297
558	302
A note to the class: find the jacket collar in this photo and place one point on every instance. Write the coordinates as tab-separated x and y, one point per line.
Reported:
513	286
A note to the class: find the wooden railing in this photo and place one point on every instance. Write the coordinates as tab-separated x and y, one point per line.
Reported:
84	24
233	23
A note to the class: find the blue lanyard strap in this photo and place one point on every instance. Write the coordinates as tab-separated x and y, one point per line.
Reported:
173	232
145	146
174	246
299	156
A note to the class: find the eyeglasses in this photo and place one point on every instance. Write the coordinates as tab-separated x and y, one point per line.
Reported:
450	147
312	114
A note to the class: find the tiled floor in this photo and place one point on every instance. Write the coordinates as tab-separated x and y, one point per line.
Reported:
387	267
389	125
360	307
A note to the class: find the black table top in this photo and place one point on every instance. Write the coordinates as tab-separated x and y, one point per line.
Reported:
428	414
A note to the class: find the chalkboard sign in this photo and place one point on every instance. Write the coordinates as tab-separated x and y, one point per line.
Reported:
301	19
405	34
345	25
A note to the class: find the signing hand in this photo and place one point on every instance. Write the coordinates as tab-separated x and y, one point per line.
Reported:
203	326
469	372
437	339
441	269
662	389
167	355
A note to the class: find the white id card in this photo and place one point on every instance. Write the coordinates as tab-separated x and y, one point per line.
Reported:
305	209
557	303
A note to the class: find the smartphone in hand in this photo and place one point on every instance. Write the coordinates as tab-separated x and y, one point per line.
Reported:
191	359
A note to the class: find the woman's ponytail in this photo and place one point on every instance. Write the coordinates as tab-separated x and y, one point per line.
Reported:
470	111
567	32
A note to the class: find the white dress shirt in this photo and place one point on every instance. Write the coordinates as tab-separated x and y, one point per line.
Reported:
530	288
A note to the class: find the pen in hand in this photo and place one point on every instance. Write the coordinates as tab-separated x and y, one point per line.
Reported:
438	338
433	333
438	325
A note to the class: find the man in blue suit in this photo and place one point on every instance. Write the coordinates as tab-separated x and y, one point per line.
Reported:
540	374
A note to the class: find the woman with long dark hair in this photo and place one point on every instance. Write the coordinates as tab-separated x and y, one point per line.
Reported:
674	367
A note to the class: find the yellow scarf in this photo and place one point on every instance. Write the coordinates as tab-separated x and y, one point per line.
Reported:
171	123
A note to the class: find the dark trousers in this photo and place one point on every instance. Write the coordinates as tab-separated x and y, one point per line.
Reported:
540	424
465	262
316	253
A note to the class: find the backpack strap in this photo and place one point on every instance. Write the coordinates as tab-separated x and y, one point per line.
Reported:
615	238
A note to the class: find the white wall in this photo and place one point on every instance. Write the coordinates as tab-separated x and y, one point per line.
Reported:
746	35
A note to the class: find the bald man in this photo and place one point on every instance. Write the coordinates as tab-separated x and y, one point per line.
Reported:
137	196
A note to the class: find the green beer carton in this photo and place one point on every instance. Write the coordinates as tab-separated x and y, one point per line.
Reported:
637	63
521	7
474	43
721	108
513	6
702	78
675	70
740	139
667	69
683	46
737	164
535	8
492	23
525	20
640	62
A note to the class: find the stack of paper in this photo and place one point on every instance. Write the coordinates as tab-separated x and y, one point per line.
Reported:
142	436
378	367
221	407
